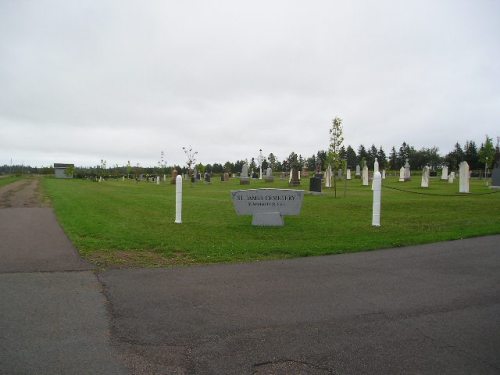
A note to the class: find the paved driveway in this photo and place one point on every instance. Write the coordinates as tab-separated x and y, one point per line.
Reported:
432	309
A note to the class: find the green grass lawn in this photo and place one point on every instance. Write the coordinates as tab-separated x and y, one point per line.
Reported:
8	180
129	223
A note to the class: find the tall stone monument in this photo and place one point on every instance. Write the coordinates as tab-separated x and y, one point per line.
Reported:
425	177
328	177
244	179
364	176
463	176
407	171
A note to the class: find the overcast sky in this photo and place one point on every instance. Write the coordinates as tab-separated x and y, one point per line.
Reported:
82	81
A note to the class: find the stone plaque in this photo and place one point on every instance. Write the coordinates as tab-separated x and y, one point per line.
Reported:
267	206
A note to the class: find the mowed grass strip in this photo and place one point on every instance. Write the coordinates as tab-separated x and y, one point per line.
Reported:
8	180
132	224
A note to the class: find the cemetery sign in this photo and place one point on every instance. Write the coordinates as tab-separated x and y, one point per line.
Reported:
267	206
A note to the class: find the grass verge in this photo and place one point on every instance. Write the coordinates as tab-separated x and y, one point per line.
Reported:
124	223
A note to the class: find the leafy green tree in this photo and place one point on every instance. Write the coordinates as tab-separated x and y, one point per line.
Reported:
336	141
362	154
382	159
191	158
455	157
393	160
321	157
487	152
352	160
272	161
471	154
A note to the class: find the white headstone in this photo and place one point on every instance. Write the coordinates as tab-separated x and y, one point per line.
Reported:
358	170
365	176
464	177
375	166
348	174
402	174
157	180
328	177
444	173
407	171
425	177
383	174
377	193
451	177
290	178
244	170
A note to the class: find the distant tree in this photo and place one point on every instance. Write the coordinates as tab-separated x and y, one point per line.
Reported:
393	160
293	161
228	167
372	154
336	141
455	157
382	158
362	154
191	158
311	163
321	157
487	152
238	166
471	155
272	161
351	157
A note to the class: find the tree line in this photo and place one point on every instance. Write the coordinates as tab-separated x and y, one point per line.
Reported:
476	157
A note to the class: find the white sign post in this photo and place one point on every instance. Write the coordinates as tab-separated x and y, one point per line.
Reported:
178	199
377	193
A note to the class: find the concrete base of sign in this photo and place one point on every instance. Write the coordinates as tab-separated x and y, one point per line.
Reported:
244	180
269	219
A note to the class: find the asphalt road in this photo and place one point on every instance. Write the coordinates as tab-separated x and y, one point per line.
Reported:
432	309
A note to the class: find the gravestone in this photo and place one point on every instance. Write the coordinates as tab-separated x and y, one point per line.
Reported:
226	176
294	177
444	173
375	166
174	177
206	177
267	206
364	176
348	174
402	174
383	174
328	177
451	177
425	177
269	175
358	171
463	176
495	173
305	172
244	179
407	171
